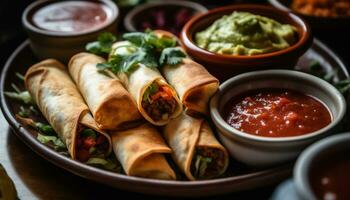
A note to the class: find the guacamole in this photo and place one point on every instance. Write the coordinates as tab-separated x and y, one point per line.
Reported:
243	33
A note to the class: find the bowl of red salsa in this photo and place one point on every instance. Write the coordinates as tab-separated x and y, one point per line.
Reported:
268	117
323	170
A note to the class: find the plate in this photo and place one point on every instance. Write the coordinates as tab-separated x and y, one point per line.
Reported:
238	177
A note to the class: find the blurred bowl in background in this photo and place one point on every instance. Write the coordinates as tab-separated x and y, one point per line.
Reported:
60	29
330	24
322	170
166	15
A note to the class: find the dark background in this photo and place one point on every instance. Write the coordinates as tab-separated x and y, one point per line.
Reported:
12	34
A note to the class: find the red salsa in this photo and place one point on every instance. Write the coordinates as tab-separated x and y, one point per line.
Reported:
276	113
71	16
331	180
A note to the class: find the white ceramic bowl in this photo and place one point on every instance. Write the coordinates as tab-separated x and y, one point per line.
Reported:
262	151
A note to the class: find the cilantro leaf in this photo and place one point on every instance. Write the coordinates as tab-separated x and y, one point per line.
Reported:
44	128
103	45
171	56
89	133
136	38
149	39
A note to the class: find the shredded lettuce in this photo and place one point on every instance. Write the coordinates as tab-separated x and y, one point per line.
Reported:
201	164
153	88
20	96
45	128
56	141
108	163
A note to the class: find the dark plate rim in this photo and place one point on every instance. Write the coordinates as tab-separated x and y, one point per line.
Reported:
116	180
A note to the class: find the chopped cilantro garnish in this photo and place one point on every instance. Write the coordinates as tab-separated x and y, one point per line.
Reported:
103	45
143	48
171	56
89	133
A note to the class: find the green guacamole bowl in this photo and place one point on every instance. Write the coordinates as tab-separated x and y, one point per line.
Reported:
224	66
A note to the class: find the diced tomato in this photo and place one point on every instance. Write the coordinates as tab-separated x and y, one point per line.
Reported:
89	142
164	92
83	155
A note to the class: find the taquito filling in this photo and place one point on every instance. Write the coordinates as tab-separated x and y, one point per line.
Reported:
158	102
207	162
90	144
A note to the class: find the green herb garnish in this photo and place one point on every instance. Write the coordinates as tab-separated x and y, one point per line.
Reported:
23	112
128	63
108	164
20	76
201	165
171	56
103	45
88	132
45	128
24	96
149	39
143	48
316	69
153	88
56	141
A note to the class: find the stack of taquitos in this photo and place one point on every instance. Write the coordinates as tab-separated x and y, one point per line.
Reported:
111	105
140	151
144	83
195	149
62	105
193	83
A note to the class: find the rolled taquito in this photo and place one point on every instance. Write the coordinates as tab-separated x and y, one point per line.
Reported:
141	152
156	100
111	104
63	107
196	151
192	82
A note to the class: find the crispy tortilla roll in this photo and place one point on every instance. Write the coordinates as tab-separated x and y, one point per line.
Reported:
192	82
110	103
62	105
140	151
156	100
196	151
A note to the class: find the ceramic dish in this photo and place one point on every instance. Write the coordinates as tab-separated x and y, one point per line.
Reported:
266	151
319	154
239	177
225	66
64	44
171	10
317	23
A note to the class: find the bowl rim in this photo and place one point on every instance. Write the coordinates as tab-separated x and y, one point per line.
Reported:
232	132
279	5
305	40
128	20
306	158
33	6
